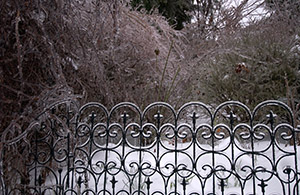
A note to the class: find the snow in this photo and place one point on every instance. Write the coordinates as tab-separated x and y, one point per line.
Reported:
165	180
73	63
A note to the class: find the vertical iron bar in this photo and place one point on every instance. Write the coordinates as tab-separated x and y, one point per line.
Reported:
232	117
271	117
184	186
252	154
123	148
213	158
60	186
289	180
40	183
68	160
194	139
91	139
113	183
140	160
294	133
176	160
106	153
158	116
222	184
73	176
36	157
263	185
148	182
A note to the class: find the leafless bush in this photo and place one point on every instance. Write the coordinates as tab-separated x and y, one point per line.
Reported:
82	51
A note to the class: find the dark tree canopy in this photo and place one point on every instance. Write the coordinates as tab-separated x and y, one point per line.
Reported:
176	11
290	7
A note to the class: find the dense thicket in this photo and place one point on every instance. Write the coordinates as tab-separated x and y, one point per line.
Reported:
84	51
105	51
109	52
250	63
81	51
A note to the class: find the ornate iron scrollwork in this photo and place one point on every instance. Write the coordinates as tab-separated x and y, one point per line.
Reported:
158	150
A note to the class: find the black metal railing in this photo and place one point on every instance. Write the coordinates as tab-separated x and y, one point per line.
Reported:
196	149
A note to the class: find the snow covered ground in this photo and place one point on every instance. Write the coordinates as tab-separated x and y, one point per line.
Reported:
158	161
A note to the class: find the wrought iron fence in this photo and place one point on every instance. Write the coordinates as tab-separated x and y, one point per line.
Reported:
196	149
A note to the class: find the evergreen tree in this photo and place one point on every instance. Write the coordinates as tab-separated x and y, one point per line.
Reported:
286	7
206	13
176	11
